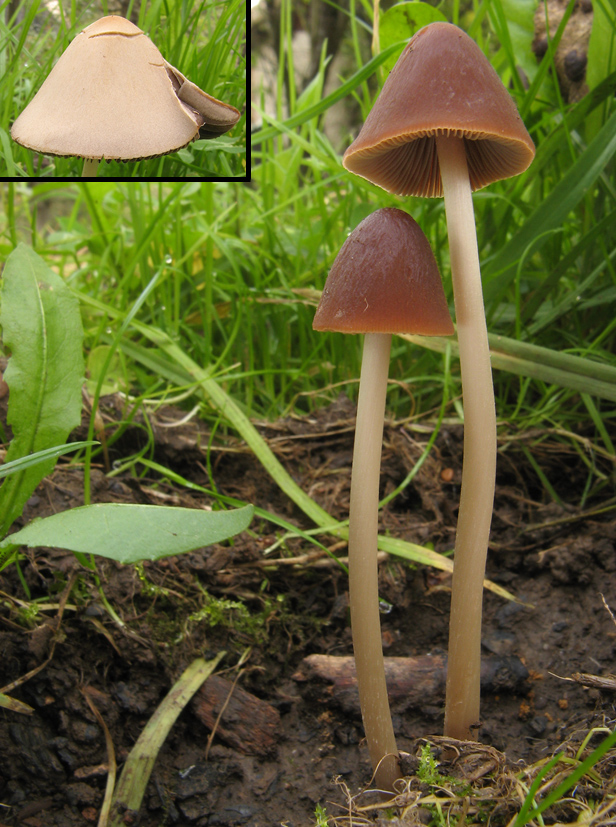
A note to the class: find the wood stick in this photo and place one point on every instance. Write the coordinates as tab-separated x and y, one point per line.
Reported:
411	682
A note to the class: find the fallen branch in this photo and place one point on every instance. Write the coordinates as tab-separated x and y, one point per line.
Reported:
411	682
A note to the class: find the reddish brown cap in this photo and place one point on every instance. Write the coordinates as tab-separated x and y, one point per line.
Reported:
442	84
385	280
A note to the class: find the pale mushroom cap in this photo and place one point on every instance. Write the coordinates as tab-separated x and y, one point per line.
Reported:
111	95
442	84
385	280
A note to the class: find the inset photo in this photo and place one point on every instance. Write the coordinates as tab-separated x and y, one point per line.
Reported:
124	89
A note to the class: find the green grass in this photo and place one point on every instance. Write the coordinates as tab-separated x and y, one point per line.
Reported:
239	268
206	41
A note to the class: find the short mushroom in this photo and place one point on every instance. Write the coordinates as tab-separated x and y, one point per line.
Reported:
445	124
384	280
113	96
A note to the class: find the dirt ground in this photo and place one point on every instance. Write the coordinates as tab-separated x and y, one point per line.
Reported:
287	735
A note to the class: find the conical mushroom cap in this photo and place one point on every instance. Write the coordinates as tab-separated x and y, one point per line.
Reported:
442	84
385	280
112	95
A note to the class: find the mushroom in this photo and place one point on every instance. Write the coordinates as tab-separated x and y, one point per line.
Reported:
445	124
112	95
384	280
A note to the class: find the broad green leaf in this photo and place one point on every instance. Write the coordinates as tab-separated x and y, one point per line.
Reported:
129	533
41	325
400	22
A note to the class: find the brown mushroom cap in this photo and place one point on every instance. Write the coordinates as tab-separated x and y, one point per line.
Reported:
385	280
112	95
442	84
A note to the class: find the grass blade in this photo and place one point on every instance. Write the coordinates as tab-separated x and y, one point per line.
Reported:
524	359
566	195
41	456
579	772
139	764
338	94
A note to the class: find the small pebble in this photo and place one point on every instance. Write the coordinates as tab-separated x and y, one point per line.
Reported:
538	724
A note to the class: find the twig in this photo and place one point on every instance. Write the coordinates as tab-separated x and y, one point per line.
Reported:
111	775
609	611
594	681
220	714
58	620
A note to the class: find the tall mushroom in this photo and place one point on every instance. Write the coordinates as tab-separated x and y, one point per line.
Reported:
445	124
384	280
113	96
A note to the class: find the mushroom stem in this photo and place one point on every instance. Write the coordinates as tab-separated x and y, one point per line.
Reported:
90	166
479	467
363	571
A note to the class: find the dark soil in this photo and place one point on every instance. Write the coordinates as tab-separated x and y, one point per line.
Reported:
276	752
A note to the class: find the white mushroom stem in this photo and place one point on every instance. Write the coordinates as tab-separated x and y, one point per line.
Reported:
479	467
363	572
90	166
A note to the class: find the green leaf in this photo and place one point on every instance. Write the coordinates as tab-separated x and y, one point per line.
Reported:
129	533
400	22
41	325
41	456
556	794
101	360
181	369
576	116
7	155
